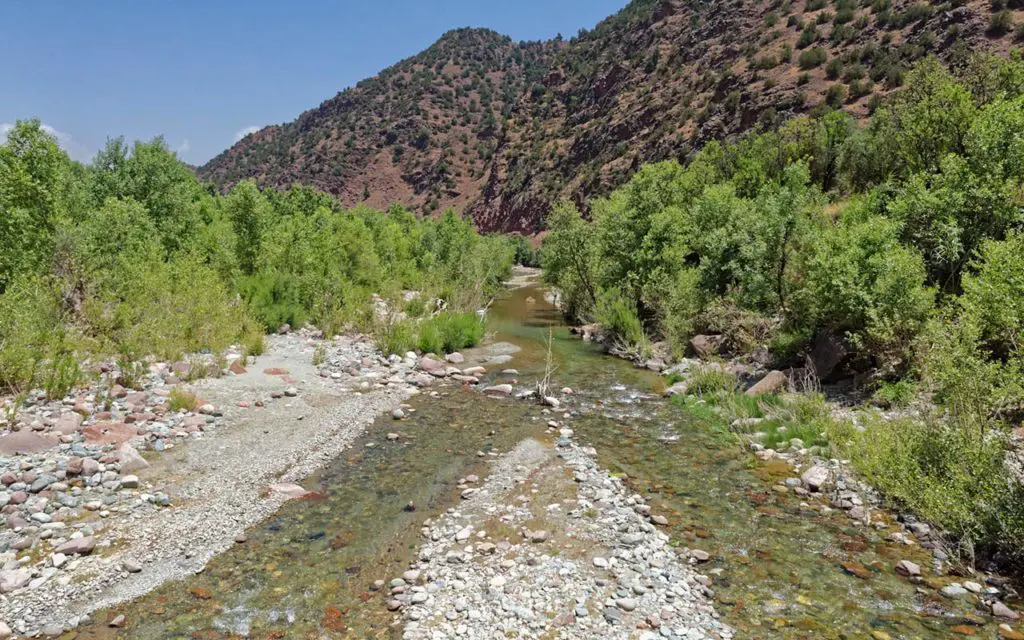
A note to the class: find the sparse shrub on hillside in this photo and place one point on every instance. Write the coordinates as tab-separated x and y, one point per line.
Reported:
1000	23
812	58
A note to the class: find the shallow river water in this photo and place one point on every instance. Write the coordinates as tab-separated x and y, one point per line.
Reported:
776	566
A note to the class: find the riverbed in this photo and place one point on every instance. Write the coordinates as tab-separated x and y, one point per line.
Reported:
781	566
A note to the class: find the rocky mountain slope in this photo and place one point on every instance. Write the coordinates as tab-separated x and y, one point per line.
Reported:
502	129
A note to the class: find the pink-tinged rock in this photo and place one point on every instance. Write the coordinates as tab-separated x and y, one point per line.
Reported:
774	382
455	358
172	379
430	365
243	404
24	442
74	466
8	479
236	368
21	544
16	579
180	368
192	424
130	459
474	371
68	423
288	489
163	393
19	497
77	546
15	521
109	432
117	391
138	398
82	408
104	415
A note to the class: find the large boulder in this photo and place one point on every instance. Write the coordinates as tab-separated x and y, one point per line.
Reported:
430	365
14	579
24	442
774	382
77	546
707	346
816	478
827	353
68	423
109	432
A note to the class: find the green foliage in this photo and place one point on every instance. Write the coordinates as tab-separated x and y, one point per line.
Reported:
861	281
811	58
132	256
897	394
947	472
449	332
398	337
181	400
711	381
617	315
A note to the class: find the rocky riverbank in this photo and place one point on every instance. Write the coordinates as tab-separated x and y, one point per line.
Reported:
551	545
115	490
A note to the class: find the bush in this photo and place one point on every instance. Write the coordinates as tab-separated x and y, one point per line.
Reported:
949	473
897	394
711	380
448	332
1000	23
618	316
398	337
180	400
861	281
30	320
812	58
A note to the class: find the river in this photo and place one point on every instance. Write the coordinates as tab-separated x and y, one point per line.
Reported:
777	562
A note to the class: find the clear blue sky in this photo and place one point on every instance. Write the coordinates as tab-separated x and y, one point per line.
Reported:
198	72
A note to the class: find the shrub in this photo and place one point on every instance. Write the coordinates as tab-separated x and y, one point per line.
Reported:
1001	22
808	36
862	281
711	380
398	337
835	95
181	400
812	58
948	473
619	317
448	332
30	320
895	394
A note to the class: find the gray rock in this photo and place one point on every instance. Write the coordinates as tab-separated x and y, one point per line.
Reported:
816	477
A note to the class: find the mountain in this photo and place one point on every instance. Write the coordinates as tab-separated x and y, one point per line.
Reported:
502	129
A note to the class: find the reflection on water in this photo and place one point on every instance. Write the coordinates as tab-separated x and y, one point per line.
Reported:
776	566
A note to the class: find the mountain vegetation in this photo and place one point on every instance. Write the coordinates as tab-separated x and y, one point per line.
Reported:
896	246
131	256
503	129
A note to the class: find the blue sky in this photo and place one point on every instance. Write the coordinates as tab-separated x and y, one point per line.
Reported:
199	72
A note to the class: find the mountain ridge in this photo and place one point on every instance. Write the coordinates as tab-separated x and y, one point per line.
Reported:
502	129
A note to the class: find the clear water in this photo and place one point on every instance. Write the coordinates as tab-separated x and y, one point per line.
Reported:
777	567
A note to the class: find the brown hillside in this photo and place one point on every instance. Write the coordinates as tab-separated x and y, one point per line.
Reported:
502	129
